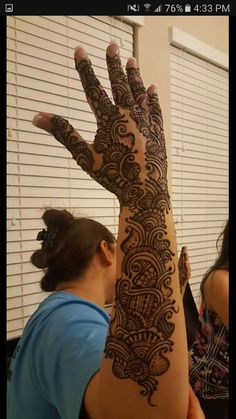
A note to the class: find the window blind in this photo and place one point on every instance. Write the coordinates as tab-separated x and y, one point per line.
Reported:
199	114
41	76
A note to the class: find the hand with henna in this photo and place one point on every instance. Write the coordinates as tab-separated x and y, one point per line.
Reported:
127	128
146	334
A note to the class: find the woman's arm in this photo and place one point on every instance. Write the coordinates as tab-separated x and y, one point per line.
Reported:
194	408
144	371
216	294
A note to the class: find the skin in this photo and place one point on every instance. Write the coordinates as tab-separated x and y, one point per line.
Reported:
216	294
146	337
194	408
98	285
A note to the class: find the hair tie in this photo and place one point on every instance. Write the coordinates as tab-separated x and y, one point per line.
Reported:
48	237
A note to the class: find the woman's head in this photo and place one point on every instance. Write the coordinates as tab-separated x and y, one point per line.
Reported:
222	261
68	246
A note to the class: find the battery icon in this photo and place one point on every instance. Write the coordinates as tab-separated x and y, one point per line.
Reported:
187	8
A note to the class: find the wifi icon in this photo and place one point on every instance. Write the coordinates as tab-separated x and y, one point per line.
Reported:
147	6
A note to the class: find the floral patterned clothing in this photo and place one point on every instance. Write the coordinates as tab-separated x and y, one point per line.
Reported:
209	372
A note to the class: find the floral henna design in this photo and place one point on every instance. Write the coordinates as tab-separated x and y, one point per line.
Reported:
141	328
63	132
128	158
137	88
119	172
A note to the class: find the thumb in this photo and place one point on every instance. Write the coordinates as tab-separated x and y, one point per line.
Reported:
63	132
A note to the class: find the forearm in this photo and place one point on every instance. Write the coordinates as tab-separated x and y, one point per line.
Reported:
146	339
144	370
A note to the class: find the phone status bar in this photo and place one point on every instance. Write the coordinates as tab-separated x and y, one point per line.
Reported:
179	8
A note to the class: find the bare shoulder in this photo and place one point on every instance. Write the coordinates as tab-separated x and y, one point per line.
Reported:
216	292
218	281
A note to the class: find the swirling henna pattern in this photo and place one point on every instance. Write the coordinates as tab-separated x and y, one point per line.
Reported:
155	113
140	331
102	106
141	326
119	172
63	132
139	337
119	85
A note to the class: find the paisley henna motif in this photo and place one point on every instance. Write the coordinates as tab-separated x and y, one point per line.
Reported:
128	157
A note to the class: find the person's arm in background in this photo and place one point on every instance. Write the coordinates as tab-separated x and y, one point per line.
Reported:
184	268
216	294
144	372
194	408
191	312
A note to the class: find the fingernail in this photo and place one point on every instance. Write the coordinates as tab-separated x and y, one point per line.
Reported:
36	119
112	49
43	120
80	53
132	62
152	89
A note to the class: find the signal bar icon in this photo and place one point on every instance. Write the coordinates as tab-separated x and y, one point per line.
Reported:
158	9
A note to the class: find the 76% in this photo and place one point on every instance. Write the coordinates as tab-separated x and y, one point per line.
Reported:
174	8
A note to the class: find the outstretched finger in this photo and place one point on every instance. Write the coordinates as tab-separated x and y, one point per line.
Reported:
121	91
154	107
97	98
136	84
61	129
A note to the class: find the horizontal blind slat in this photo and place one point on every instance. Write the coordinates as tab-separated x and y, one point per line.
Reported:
41	173
199	116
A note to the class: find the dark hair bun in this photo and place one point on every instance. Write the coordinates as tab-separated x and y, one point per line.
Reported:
53	219
60	219
39	259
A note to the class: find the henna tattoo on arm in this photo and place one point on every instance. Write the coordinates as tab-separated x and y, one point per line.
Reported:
141	328
128	157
